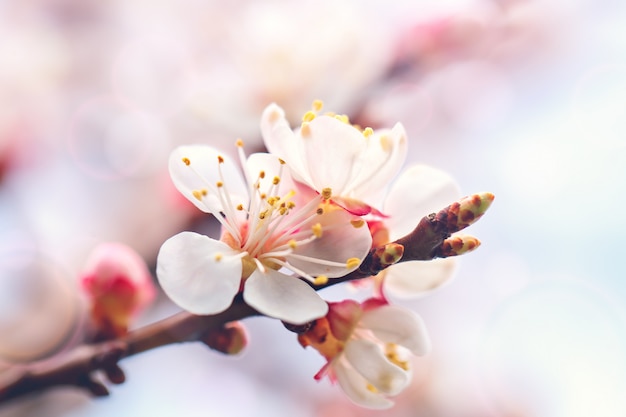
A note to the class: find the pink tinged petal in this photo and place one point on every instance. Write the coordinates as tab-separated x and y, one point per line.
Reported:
283	297
341	240
194	168
356	207
380	162
332	149
395	324
369	360
355	387
200	274
343	317
418	191
418	278
280	140
112	261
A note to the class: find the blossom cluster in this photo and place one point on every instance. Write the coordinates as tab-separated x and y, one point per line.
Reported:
295	218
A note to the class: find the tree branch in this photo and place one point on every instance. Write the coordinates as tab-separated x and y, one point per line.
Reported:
76	368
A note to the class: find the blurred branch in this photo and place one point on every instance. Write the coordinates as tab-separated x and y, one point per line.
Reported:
78	368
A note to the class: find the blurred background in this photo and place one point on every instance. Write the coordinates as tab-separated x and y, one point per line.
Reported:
523	98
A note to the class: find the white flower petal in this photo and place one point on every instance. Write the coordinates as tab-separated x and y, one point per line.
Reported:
340	241
418	278
272	168
332	150
200	274
283	297
280	140
369	360
202	173
355	387
395	324
417	192
379	163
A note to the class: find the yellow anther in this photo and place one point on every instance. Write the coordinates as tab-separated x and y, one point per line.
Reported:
276	180
371	388
317	105
282	211
263	196
204	192
305	130
385	143
239	143
219	184
220	159
291	205
261	174
352	263
317	230
218	257
342	118
367	132
197	194
320	280
308	116
263	214
186	161
281	161
357	223
292	244
271	201
327	193
319	210
240	207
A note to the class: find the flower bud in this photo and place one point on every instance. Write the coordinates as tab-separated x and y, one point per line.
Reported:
465	212
118	286
230	339
457	245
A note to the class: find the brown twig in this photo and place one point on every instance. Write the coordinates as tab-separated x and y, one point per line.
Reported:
77	367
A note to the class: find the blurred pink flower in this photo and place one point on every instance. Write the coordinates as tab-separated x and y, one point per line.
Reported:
367	347
118	285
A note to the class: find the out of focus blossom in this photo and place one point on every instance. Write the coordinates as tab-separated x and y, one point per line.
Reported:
329	154
316	241
367	347
118	286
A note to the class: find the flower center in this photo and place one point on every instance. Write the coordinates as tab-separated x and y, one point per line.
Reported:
273	224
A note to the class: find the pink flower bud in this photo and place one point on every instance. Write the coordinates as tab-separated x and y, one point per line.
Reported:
118	285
